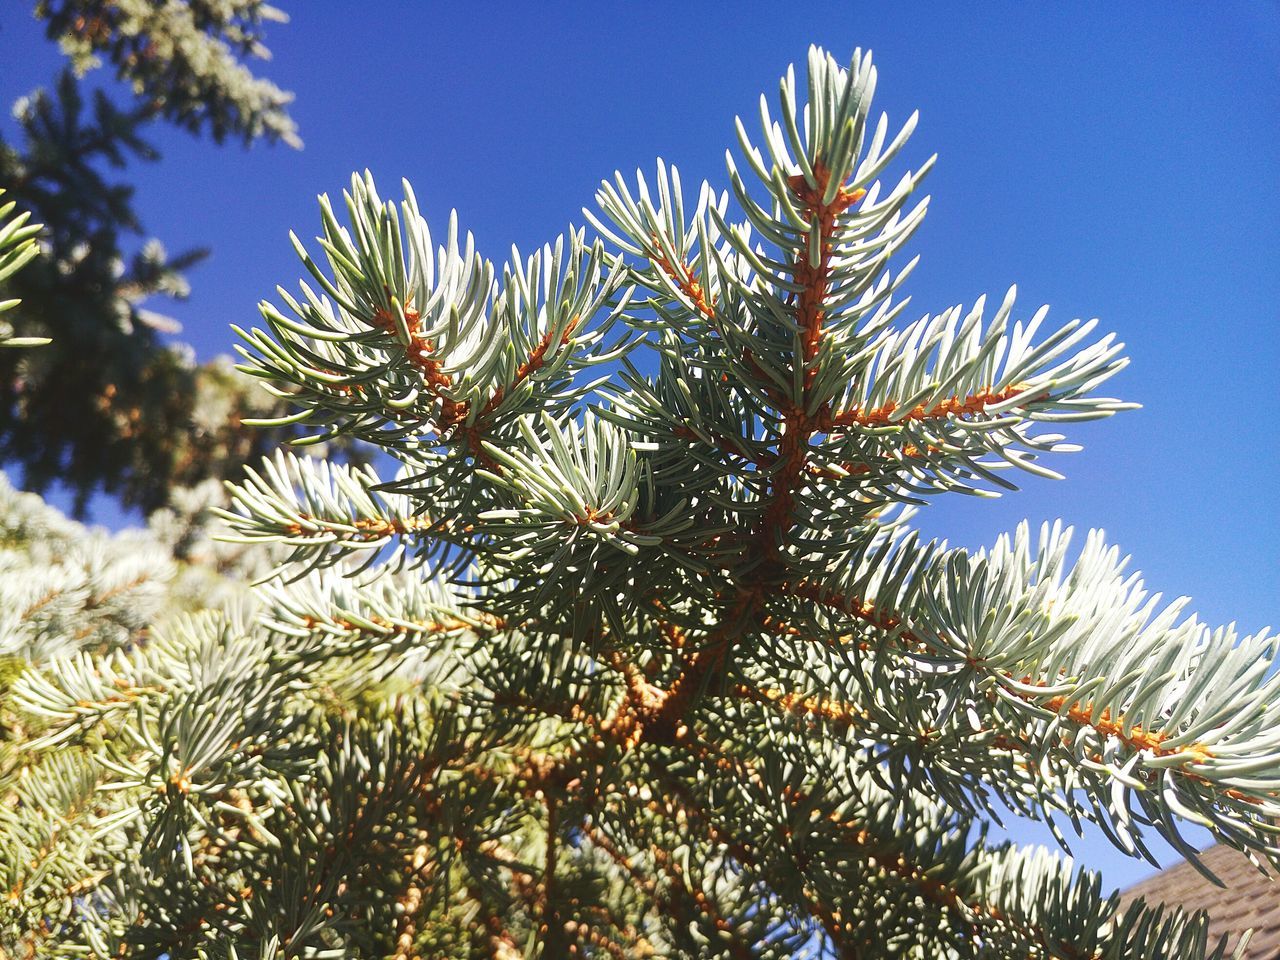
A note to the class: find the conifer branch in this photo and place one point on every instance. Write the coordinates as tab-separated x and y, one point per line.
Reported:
632	658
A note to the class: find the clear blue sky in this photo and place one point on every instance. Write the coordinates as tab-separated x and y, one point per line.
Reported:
1116	161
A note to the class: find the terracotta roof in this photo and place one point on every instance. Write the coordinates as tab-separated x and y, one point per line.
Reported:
1249	899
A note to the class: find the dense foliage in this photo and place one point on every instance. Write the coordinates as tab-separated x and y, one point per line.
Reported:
143	415
635	653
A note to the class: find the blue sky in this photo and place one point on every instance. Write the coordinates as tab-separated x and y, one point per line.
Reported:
1116	161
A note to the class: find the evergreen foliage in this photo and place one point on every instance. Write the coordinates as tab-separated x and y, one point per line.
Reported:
133	426
634	657
17	248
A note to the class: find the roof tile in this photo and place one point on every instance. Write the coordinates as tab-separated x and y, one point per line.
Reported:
1249	898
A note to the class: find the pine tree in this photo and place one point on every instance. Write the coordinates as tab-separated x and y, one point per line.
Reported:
138	422
635	653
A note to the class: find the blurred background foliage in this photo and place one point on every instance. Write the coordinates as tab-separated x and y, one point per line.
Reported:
116	404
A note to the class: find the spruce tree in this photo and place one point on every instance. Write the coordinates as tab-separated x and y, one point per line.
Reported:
634	653
144	415
17	249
